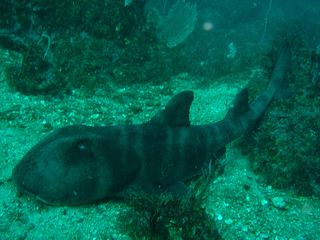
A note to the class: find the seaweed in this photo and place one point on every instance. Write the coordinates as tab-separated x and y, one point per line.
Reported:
166	216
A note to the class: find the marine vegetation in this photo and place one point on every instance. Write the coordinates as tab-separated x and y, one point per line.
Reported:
65	45
284	148
162	217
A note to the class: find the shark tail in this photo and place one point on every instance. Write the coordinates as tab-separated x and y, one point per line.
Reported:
277	88
278	85
244	115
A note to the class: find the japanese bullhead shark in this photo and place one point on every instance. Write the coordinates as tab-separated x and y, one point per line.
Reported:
79	164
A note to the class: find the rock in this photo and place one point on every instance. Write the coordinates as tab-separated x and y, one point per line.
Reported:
279	202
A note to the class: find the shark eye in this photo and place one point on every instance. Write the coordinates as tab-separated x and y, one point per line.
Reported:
79	151
82	145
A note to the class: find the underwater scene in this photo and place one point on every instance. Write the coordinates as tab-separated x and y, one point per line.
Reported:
160	119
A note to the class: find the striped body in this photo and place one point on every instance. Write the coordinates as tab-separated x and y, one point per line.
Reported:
111	159
78	164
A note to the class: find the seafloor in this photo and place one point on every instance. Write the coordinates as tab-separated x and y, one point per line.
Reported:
257	211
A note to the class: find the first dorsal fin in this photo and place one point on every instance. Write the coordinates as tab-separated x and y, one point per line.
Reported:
176	112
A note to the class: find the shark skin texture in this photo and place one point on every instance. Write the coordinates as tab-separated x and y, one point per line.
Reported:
79	164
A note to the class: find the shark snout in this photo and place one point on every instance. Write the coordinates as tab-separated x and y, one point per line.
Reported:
23	176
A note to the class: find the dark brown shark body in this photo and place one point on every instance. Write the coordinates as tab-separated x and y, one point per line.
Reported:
79	164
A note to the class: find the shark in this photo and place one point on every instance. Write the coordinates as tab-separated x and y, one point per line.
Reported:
79	164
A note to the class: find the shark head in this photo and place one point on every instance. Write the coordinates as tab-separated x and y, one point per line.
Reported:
70	166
